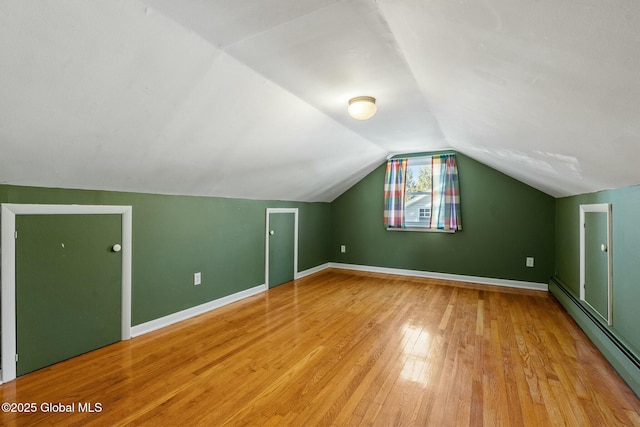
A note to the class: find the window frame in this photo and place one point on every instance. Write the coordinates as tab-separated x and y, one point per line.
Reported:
421	159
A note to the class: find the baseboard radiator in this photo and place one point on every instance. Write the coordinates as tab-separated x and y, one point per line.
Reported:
621	357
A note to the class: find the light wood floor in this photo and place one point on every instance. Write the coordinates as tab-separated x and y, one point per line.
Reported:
346	349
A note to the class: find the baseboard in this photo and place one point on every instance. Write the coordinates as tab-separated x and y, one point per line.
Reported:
443	276
179	316
311	271
623	360
170	319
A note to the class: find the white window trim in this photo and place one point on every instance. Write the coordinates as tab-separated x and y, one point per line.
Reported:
422	229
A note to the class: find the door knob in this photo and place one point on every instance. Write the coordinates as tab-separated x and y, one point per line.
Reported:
271	232
603	247
116	248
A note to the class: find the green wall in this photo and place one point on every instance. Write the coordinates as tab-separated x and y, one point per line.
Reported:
176	236
504	221
625	251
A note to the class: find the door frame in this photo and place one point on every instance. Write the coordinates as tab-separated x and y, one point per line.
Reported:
270	211
8	277
597	208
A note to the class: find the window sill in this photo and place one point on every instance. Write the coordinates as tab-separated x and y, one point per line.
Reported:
422	230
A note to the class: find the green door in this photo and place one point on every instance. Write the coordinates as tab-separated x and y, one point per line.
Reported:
596	273
68	287
281	248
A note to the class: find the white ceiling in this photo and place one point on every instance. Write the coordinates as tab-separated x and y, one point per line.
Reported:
248	98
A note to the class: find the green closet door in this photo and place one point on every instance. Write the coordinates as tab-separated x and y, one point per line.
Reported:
281	248
68	286
596	274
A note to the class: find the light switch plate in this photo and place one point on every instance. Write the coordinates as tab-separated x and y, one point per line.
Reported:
197	278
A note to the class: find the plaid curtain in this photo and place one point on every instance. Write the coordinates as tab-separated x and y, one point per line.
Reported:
445	199
394	188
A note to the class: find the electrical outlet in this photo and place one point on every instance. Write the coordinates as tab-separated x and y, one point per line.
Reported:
529	262
197	278
343	249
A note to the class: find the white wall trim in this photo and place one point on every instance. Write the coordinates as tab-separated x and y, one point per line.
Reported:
270	211
188	313
312	270
8	277
606	209
444	276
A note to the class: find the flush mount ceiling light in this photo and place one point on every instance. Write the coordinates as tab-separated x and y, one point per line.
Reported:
362	107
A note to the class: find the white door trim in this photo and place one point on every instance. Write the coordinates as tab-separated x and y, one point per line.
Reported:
8	277
602	208
294	211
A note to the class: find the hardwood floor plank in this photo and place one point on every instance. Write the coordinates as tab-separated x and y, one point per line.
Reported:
346	348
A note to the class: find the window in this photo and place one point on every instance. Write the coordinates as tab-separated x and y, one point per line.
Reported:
422	192
417	202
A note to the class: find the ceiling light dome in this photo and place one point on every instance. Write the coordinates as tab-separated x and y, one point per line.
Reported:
362	107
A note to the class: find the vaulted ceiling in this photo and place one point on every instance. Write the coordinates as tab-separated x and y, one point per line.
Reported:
248	98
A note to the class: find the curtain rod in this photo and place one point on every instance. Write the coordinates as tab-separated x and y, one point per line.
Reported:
425	154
